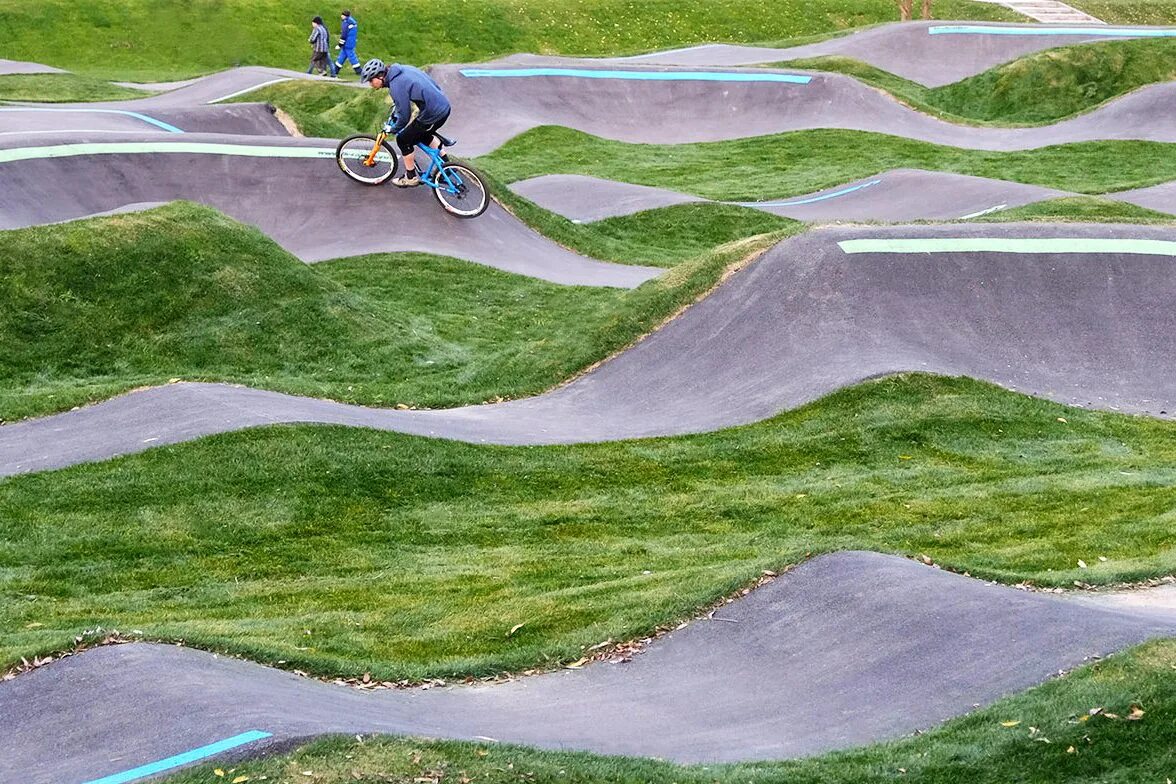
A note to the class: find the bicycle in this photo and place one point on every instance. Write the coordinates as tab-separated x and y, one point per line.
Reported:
371	160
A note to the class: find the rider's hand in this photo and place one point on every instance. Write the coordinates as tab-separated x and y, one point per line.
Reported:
387	128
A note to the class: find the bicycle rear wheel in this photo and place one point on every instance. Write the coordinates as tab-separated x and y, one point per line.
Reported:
460	191
353	153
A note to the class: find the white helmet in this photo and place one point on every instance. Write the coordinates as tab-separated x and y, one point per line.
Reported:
371	69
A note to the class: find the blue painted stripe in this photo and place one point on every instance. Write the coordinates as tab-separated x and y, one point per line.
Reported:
188	757
145	118
1107	32
811	199
653	76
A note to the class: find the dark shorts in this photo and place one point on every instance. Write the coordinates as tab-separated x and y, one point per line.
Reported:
417	132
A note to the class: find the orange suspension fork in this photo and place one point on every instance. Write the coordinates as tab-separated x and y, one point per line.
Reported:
371	159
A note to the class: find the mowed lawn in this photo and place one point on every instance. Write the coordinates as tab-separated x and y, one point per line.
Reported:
92	308
171	39
344	551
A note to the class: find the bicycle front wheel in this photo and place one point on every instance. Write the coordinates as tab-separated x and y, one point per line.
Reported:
357	160
460	191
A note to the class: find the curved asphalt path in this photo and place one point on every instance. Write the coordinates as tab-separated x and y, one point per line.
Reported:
845	649
895	195
907	49
304	204
193	105
808	318
663	105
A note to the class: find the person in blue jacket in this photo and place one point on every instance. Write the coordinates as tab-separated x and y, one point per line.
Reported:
419	108
348	34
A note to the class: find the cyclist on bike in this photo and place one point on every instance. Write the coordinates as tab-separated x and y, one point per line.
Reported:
419	108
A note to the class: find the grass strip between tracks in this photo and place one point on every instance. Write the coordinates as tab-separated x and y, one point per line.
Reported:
763	168
93	308
62	88
1036	89
344	551
1046	735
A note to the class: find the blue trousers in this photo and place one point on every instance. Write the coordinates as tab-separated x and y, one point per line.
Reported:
348	54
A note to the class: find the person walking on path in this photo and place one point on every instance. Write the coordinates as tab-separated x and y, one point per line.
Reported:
320	45
348	34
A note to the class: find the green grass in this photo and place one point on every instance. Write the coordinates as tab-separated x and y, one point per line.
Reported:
1141	12
409	557
768	167
96	307
62	88
169	39
1080	208
329	111
1040	88
975	748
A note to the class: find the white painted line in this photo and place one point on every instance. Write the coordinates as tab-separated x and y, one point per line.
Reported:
250	89
988	211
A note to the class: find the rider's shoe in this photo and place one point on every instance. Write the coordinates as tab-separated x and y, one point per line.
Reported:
405	181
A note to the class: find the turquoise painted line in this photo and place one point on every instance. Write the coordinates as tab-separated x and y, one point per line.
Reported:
1040	245
822	197
187	758
652	76
142	148
138	116
1107	32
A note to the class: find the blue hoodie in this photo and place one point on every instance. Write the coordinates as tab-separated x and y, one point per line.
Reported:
407	86
348	32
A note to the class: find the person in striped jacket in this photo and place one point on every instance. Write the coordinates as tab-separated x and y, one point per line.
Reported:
320	47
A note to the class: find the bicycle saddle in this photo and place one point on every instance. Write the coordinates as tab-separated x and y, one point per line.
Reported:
445	141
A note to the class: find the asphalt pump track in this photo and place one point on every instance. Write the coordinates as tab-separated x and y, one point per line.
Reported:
845	649
1073	313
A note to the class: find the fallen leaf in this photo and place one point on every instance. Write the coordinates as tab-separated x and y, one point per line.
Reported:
904	457
1081	564
1136	713
1062	420
1010	723
515	628
1071	750
576	664
218	772
240	779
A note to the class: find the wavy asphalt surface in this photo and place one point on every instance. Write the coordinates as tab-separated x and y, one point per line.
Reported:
896	195
498	105
306	205
907	49
808	318
844	649
190	106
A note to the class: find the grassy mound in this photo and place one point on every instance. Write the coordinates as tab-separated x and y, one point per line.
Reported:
1080	208
1037	89
411	557
154	39
92	308
1138	12
330	111
62	88
787	164
976	748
